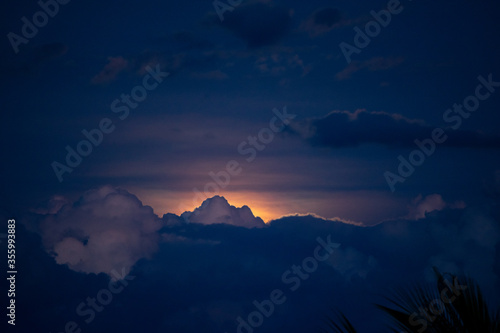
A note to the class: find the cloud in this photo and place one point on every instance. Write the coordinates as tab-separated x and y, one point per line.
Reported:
210	275
335	219
211	75
433	202
277	64
350	129
258	24
109	73
469	244
323	20
351	263
52	206
105	229
217	210
373	65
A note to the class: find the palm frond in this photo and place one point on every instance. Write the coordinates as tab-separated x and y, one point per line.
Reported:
453	305
456	305
344	325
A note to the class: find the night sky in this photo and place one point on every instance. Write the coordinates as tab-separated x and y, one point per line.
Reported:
203	147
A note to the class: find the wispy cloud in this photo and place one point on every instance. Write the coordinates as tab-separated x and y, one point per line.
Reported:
373	65
112	69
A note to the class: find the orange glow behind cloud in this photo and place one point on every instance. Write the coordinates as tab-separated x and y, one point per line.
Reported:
164	201
358	207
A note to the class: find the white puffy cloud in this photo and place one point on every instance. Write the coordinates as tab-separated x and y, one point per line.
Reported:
110	228
105	229
217	210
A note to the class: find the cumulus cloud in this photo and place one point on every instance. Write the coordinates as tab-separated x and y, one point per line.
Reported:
109	228
217	210
105	229
350	129
209	275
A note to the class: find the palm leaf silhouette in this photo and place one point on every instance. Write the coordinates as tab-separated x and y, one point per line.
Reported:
344	325
454	305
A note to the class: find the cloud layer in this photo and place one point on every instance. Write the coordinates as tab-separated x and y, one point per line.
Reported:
350	129
205	276
109	228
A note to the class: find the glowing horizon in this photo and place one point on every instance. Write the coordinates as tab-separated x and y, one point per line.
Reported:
272	206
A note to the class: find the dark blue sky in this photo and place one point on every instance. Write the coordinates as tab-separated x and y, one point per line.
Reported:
225	80
258	104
